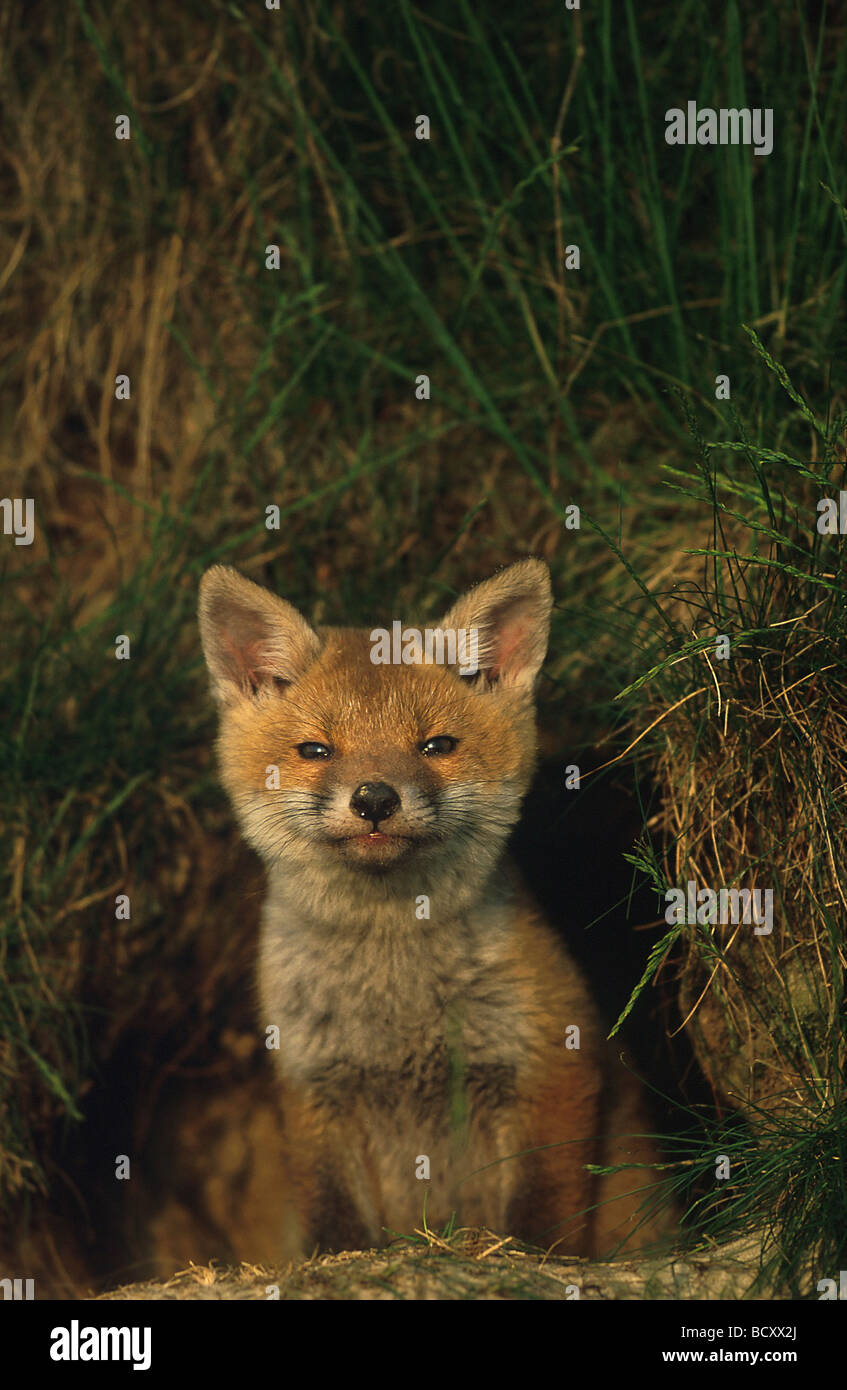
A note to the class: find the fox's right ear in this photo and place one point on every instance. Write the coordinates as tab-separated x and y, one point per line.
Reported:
252	640
510	615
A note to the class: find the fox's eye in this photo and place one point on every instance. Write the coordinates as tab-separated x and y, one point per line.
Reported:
314	750
435	747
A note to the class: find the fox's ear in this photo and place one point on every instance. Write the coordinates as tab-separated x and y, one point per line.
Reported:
511	616
252	640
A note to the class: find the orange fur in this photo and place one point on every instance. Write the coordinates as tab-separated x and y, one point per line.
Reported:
419	1000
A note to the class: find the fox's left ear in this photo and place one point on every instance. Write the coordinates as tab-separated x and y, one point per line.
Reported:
252	640
510	614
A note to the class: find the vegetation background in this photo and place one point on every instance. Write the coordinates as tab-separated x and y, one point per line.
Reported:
295	387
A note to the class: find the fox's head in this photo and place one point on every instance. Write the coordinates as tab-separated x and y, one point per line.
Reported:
360	775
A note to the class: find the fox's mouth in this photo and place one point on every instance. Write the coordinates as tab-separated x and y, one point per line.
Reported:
374	847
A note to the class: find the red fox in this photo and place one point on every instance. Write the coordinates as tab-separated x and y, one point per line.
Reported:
423	1012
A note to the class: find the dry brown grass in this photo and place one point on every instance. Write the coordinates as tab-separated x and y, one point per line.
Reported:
753	772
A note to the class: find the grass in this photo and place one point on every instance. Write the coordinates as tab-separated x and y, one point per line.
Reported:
296	388
750	750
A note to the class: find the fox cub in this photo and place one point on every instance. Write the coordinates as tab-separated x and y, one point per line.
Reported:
426	1014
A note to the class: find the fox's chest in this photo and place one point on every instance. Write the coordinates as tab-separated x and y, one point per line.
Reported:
426	1021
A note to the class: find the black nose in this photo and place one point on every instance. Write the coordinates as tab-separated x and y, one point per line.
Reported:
374	801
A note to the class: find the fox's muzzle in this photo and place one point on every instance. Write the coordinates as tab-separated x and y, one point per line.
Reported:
374	801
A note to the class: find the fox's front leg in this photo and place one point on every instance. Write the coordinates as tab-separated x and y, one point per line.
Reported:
332	1203
560	1121
626	1199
